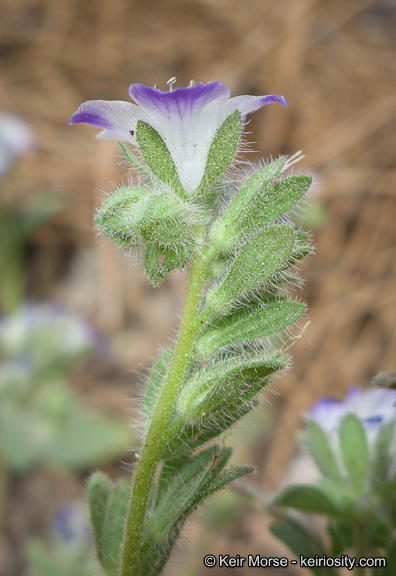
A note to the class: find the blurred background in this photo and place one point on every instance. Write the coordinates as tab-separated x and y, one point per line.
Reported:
335	63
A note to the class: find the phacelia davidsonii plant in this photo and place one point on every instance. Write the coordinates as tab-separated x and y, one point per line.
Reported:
230	230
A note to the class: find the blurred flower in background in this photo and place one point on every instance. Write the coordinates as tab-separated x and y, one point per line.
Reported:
375	408
16	139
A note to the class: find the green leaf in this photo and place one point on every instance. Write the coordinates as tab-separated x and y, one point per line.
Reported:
255	322
212	400
183	484
225	386
301	541
258	260
155	384
341	533
383	445
114	525
225	230
321	452
354	450
277	199
99	490
157	156
308	499
222	150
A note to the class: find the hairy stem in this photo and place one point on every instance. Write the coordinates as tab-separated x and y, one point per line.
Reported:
156	438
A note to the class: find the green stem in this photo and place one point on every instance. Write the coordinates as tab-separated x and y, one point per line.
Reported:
360	545
156	437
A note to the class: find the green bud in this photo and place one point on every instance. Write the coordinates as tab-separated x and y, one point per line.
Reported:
114	217
242	325
258	260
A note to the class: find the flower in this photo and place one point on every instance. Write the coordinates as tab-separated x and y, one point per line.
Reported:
16	139
375	407
187	119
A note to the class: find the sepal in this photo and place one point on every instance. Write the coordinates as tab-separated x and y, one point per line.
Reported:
221	151
157	156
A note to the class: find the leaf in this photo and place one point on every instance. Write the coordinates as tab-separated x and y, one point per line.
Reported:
225	229
157	156
321	452
183	484
354	450
155	384
225	386
301	541
341	533
114	525
380	466
277	199
222	150
308	499
99	490
258	260
214	399
256	322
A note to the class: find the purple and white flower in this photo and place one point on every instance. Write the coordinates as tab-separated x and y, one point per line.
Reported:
375	407
186	118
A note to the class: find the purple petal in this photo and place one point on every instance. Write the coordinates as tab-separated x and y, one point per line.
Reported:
248	104
179	101
117	117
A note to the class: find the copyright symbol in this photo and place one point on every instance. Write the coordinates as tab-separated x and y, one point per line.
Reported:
210	560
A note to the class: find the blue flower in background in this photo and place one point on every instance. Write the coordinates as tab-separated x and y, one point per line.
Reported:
375	407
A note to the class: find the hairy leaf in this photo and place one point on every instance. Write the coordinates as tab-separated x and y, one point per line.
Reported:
354	450
225	230
321	452
99	490
255	322
114	525
155	384
258	260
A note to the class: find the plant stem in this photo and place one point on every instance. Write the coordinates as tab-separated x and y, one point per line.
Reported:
360	545
156	437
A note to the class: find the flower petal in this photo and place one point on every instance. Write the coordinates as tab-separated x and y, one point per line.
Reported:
248	104
117	118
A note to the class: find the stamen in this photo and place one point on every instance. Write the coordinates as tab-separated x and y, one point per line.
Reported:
156	86
170	82
191	84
